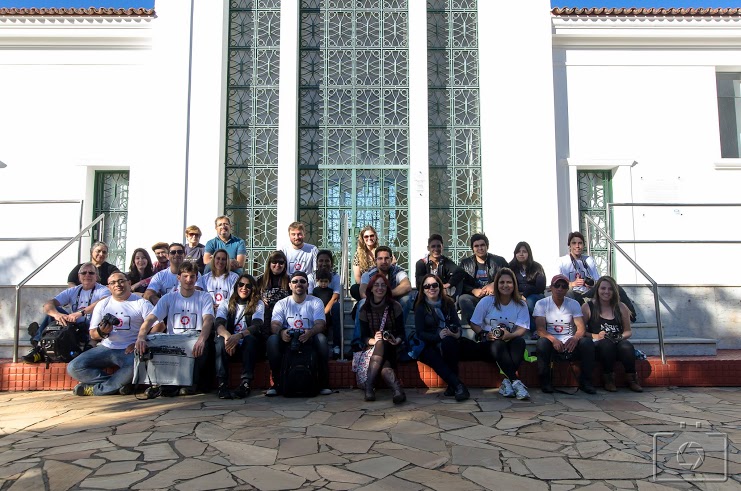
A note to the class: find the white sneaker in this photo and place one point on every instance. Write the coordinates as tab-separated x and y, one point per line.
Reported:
325	392
506	388
520	390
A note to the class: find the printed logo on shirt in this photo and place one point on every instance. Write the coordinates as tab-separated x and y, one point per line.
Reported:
297	266
124	322
493	323
559	327
185	320
298	322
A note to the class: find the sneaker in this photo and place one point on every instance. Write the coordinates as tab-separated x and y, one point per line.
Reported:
153	392
271	392
336	353
520	390
587	387
450	391
506	388
545	383
325	392
126	390
224	392
83	390
461	393
33	329
34	356
243	390
186	391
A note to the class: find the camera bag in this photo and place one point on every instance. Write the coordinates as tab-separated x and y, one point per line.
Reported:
299	372
62	344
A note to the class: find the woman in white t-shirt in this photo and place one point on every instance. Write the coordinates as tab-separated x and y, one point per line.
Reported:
500	321
240	334
219	282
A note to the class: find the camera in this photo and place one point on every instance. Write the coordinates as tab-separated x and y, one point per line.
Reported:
588	281
295	333
452	328
387	336
613	336
499	331
146	356
111	320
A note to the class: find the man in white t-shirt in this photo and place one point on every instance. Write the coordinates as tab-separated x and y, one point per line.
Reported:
185	310
167	281
301	311
116	342
301	256
562	332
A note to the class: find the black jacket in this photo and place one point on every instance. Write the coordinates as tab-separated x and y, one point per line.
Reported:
468	264
447	271
427	323
536	285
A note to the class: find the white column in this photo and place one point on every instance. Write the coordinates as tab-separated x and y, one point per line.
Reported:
419	202
518	130
288	112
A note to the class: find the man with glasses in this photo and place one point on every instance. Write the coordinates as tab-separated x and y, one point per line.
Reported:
115	343
232	244
561	328
166	281
301	256
81	301
186	310
481	268
301	311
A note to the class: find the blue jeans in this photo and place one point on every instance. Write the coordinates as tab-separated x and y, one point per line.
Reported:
531	301
89	367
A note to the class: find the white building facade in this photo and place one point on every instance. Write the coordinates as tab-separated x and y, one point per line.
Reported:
417	117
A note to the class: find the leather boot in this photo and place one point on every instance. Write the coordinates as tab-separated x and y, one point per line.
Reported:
545	382
391	381
633	384
374	366
608	382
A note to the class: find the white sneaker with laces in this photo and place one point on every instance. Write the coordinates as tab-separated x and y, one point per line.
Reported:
325	392
506	388
520	390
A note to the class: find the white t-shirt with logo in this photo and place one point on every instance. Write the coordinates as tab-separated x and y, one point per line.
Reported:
298	315
303	259
166	281
219	287
184	314
559	321
241	323
130	313
488	316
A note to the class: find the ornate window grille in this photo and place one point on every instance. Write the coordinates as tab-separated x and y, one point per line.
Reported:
251	174
111	196
454	129
595	191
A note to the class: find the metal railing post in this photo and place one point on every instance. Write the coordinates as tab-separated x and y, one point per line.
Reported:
344	263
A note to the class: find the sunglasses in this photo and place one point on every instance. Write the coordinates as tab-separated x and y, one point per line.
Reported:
430	286
561	285
177	253
244	285
194	235
298	282
368	236
278	262
86	272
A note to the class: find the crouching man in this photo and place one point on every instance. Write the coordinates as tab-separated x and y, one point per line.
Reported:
115	323
186	310
303	312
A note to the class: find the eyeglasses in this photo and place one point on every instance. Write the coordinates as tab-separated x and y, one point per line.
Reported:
87	272
561	285
244	285
278	262
429	286
177	252
117	282
369	236
298	282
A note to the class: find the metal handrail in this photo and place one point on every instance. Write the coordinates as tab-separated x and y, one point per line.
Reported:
654	286
45	202
344	264
16	334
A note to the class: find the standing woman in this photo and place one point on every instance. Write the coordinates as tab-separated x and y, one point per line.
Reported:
98	256
140	270
240	330
364	258
274	282
219	282
530	277
608	322
381	327
437	324
501	320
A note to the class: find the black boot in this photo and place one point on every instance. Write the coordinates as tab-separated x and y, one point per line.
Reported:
374	366
545	382
393	383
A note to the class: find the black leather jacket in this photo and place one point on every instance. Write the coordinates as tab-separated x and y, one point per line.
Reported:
493	264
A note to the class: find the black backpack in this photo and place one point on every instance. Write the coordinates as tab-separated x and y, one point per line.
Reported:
299	373
62	344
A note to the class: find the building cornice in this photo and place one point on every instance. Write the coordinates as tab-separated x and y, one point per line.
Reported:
76	32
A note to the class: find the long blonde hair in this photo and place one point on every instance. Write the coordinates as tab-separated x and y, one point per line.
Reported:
366	259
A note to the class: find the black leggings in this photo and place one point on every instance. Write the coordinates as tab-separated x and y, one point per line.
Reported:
607	353
443	359
251	349
509	355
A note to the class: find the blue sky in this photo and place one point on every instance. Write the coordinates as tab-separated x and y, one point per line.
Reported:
559	3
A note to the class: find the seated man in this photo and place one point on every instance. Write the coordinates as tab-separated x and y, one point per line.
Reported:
116	343
302	311
81	301
439	265
233	245
562	332
481	268
186	310
167	281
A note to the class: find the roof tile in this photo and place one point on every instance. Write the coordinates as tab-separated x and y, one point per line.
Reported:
72	12
647	12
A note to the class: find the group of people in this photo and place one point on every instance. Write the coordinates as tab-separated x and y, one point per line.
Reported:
203	290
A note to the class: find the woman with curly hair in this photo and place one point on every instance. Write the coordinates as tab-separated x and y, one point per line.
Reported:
364	258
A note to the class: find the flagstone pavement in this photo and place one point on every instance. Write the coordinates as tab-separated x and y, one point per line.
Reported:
57	441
